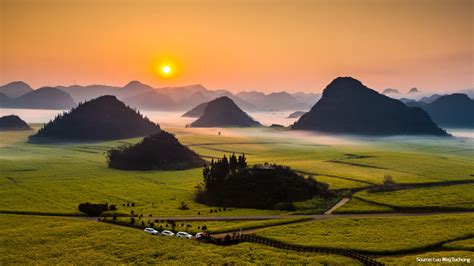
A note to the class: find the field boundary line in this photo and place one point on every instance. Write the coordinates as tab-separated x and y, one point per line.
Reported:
417	209
334	176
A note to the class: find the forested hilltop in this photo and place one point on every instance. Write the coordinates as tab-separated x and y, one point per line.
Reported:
103	118
160	151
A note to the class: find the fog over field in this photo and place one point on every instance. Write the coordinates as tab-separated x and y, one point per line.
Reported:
174	119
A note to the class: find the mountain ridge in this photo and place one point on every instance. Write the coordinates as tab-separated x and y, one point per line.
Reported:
103	118
349	107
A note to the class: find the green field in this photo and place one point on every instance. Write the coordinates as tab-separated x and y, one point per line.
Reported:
382	235
411	259
55	178
356	205
467	244
32	239
458	196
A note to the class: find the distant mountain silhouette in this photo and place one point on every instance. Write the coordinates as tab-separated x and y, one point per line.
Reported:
307	99
43	98
186	97
223	112
4	100
197	111
349	107
85	93
406	100
151	100
390	91
134	88
413	90
103	118
137	94
429	99
239	102
15	89
278	100
195	99
160	151
454	110
255	97
13	123
296	114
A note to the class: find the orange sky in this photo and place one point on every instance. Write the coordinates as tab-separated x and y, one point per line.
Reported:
239	44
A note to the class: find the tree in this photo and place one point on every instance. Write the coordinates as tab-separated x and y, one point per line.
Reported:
242	161
233	163
93	209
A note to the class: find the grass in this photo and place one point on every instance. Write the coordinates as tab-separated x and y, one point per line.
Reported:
56	178
315	205
455	196
412	259
467	244
46	240
372	234
356	205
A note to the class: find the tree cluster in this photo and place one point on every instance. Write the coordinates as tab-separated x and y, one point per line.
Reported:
216	173
95	209
158	151
232	183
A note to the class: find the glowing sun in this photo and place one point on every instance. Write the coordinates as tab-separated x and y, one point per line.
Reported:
166	70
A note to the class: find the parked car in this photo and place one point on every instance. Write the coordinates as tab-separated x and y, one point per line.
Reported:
167	233
199	235
151	231
184	235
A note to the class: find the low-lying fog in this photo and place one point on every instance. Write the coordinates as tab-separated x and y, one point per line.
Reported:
162	118
174	119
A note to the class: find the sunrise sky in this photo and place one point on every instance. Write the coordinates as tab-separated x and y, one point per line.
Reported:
239	45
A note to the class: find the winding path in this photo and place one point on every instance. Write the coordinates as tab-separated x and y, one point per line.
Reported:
337	205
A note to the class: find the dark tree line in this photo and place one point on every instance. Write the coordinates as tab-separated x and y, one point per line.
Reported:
232	183
96	209
217	171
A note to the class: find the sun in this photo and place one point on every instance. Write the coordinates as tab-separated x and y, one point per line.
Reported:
166	70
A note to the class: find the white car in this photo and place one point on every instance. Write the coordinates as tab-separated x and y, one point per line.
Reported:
184	235
167	233
151	231
199	235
